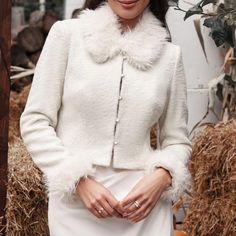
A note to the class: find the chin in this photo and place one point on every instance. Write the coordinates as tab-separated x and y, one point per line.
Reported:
128	15
128	9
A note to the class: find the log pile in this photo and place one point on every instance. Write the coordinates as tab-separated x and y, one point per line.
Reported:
29	41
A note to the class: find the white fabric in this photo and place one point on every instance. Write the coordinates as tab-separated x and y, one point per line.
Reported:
73	219
68	122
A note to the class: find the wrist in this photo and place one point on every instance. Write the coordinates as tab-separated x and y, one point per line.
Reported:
166	177
81	182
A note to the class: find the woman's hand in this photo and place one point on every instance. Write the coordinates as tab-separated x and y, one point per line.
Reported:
97	198
145	195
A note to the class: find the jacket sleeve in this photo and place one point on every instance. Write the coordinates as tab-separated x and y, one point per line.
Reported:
39	119
175	145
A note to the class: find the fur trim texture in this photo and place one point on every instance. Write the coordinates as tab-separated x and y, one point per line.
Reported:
103	38
63	182
173	159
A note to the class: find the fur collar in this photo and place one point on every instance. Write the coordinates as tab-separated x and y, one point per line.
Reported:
142	45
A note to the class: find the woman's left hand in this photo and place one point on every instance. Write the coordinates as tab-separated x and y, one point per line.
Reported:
145	195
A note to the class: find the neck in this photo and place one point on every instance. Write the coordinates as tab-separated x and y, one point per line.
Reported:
127	24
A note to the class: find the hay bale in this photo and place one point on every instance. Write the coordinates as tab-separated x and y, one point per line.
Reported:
153	136
213	168
26	199
49	19
17	104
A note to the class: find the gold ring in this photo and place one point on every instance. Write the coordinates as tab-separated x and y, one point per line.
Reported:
100	210
137	204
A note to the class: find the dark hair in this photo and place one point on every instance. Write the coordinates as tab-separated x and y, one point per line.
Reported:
158	8
76	12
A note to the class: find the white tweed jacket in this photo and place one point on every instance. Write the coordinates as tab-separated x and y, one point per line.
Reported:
97	91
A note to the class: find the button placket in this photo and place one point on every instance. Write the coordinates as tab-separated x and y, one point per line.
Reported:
117	120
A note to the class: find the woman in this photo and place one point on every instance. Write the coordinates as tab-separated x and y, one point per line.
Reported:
102	81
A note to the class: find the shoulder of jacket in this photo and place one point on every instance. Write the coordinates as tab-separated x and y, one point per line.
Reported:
73	22
175	49
65	27
174	52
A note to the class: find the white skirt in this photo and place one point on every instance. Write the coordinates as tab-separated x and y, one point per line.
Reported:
73	219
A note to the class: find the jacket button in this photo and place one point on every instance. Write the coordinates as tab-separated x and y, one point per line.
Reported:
124	57
122	75
120	98
115	142
117	120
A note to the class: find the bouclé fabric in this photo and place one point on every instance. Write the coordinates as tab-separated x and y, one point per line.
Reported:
69	118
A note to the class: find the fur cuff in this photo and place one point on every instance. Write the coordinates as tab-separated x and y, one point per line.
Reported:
181	178
63	181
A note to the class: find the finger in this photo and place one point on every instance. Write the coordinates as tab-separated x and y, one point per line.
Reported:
101	211
96	206
139	212
130	209
144	214
133	208
147	211
95	212
105	205
114	204
129	199
118	212
119	209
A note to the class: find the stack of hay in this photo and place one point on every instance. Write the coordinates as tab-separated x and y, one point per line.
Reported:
212	211
26	199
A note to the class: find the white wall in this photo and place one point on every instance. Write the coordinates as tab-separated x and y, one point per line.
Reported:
198	70
70	5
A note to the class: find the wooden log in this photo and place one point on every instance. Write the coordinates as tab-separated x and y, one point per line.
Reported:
5	45
18	56
48	20
31	39
34	57
36	19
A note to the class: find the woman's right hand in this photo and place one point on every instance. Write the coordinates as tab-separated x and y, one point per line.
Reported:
97	198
